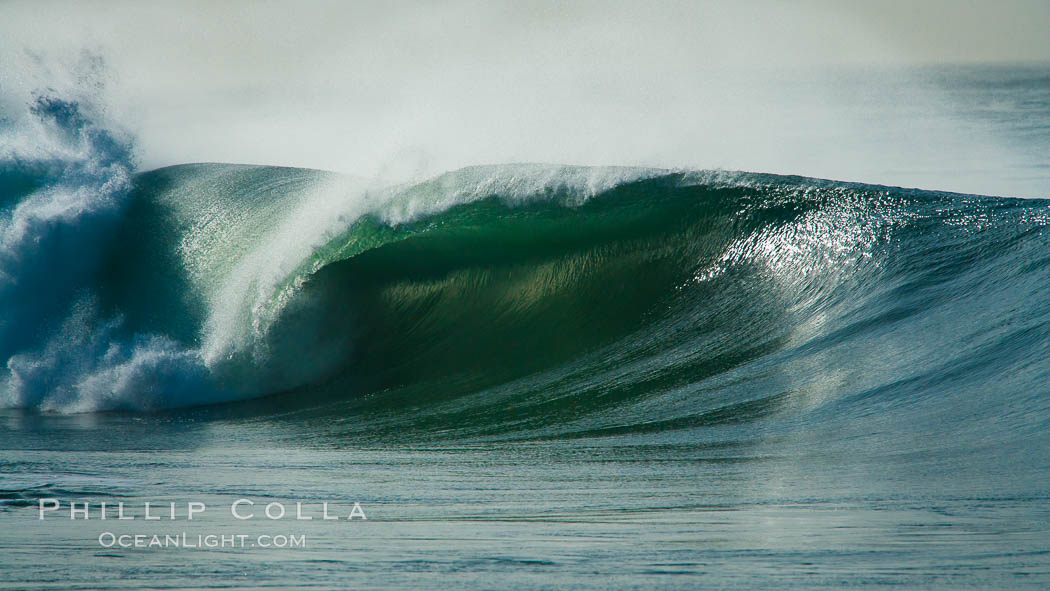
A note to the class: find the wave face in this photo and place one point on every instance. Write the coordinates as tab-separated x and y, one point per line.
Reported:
549	301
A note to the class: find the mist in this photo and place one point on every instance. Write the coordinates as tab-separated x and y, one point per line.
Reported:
848	91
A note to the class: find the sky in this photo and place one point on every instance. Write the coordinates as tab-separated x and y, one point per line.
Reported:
408	89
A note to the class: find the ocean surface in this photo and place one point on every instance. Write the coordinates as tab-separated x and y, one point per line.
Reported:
526	375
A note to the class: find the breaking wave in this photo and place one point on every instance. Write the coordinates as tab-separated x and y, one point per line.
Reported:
544	299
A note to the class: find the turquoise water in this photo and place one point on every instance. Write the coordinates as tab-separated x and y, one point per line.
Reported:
526	375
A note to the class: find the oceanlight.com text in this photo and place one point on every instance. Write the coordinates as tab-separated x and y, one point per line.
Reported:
202	541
